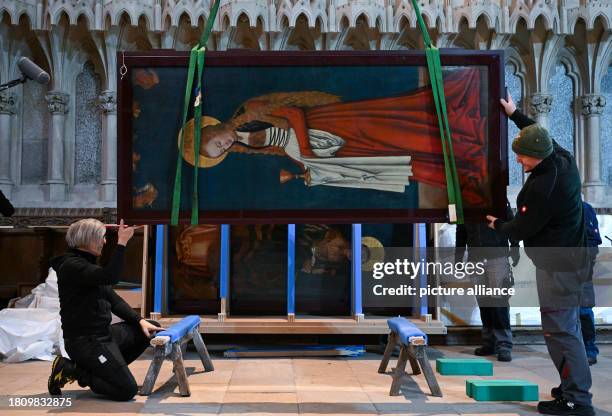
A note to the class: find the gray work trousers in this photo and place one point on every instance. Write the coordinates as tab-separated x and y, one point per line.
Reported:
495	311
563	337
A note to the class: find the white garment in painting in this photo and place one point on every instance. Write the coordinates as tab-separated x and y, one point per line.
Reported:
383	173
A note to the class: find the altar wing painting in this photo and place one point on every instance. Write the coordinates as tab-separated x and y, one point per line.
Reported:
311	137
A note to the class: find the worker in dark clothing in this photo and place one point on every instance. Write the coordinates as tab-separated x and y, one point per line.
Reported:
587	318
550	222
99	352
6	208
491	248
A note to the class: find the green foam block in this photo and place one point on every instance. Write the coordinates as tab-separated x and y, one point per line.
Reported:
501	390
464	367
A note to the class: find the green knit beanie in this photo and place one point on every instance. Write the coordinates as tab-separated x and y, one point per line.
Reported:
533	141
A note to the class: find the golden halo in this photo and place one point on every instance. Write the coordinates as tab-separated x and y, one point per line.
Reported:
204	161
374	250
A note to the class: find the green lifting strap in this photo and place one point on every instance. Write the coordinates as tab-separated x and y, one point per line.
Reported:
196	65
434	66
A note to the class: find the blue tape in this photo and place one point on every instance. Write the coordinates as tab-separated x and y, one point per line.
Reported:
291	268
225	260
356	270
159	268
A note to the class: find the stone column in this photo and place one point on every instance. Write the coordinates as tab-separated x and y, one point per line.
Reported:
7	109
56	183
107	103
539	107
592	108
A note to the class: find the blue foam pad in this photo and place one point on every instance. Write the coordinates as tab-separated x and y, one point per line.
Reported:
405	329
181	328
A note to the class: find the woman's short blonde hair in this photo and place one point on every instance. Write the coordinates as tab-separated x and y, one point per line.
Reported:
85	232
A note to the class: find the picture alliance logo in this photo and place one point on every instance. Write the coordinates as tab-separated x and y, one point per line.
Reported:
405	267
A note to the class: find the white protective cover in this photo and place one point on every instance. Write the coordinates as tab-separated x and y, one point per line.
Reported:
32	328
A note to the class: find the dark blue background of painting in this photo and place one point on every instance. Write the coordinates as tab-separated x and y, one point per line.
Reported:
251	181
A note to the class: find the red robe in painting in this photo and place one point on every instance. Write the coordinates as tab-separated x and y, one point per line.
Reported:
408	125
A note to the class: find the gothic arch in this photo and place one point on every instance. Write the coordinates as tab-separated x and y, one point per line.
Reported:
487	18
548	24
604	60
366	16
322	18
513	58
399	18
178	13
573	69
3	11
515	19
119	15
604	18
241	12
299	11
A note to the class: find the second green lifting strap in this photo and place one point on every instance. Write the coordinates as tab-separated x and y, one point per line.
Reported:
196	66
434	66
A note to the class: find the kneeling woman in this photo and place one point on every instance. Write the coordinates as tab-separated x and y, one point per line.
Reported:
99	352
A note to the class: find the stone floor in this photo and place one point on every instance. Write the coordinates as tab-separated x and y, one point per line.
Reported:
305	386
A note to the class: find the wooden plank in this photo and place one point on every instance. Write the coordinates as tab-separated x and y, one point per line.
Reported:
145	270
413	361
430	376
153	372
202	351
392	341
400	370
267	325
179	370
160	341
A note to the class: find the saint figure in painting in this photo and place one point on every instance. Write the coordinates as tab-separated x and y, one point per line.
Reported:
378	143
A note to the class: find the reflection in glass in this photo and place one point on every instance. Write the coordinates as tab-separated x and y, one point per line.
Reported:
258	270
374	236
323	270
193	269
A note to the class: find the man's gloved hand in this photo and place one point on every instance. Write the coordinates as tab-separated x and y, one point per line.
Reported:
515	253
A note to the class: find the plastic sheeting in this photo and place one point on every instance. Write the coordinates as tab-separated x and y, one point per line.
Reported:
32	329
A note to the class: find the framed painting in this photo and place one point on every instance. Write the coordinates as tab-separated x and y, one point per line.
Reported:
310	137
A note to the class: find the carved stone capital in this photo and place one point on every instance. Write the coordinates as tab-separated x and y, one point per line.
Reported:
107	102
592	104
7	103
57	102
540	104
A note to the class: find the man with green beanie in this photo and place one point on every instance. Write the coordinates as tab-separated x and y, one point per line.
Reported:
549	220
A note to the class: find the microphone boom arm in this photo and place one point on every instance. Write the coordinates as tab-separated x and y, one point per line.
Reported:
13	83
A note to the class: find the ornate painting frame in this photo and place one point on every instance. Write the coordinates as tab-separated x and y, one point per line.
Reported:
490	62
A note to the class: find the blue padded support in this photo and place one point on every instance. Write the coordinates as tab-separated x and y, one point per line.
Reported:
420	244
356	270
291	268
159	268
405	329
181	328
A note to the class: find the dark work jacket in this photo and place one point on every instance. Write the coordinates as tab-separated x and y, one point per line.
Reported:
592	226
6	208
487	243
86	295
549	211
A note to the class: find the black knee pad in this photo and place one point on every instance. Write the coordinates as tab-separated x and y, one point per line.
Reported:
126	393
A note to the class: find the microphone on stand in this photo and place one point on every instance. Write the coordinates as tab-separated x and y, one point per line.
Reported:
32	71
